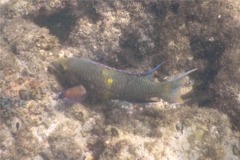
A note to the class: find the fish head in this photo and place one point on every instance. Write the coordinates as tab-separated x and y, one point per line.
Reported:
63	73
60	64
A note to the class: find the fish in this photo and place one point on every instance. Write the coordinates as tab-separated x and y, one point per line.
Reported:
106	83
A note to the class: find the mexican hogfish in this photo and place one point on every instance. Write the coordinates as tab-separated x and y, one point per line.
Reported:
106	83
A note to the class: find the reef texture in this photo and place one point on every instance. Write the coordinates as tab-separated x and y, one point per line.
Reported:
135	36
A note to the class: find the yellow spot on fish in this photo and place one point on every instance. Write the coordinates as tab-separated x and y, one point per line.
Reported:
109	81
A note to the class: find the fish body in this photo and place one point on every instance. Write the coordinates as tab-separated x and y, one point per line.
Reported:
104	83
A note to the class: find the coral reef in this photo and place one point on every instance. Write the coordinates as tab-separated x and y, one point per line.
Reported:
135	36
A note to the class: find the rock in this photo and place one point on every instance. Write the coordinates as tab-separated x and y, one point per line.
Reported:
204	133
135	36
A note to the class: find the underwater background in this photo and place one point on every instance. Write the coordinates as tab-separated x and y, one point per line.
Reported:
134	36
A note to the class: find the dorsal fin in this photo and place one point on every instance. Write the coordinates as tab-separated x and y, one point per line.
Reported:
150	73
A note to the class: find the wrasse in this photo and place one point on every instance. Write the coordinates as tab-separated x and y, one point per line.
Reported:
106	83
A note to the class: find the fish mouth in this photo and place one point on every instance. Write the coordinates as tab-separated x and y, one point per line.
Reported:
57	67
59	63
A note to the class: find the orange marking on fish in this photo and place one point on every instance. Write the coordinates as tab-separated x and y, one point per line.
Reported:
77	92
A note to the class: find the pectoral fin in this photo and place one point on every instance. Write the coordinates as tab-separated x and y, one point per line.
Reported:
74	93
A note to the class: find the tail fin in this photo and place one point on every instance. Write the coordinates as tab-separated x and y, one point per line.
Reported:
175	85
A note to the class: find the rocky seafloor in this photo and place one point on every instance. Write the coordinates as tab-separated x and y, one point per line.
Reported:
129	35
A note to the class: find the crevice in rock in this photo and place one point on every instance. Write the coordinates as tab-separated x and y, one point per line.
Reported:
159	9
60	23
175	7
209	52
